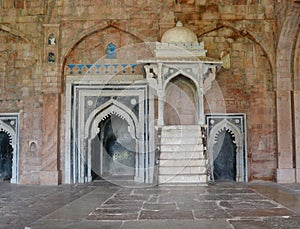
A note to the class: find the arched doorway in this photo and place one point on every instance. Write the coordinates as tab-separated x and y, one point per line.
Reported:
180	102
225	157
6	157
113	149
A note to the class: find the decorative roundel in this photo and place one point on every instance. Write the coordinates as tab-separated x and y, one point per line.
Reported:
133	101
90	103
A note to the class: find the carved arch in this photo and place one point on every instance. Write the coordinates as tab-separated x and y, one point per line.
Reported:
184	74
91	126
221	126
235	132
13	141
110	107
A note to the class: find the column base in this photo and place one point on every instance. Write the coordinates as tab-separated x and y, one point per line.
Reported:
138	179
286	176
298	175
49	178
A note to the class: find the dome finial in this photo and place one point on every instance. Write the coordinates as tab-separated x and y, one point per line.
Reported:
179	24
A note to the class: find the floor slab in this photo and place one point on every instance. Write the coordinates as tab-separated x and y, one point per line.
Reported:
105	205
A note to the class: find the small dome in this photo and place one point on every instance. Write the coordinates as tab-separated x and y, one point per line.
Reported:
179	34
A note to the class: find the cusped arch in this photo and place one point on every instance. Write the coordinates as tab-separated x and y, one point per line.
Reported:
241	165
13	138
9	131
227	126
111	107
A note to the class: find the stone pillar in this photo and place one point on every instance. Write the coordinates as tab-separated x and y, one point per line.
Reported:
51	86
297	132
161	108
161	97
285	170
200	107
49	173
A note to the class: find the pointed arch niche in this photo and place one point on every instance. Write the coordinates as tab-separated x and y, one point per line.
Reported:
9	124
110	133
96	112
218	127
180	101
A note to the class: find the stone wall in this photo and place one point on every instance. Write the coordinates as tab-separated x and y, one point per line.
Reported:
243	33
21	93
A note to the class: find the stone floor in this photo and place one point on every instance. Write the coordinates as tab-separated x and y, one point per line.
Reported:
105	205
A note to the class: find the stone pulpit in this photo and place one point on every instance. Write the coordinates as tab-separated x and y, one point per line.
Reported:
179	75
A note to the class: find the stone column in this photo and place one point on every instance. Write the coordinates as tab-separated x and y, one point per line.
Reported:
49	173
200	96
161	97
51	86
285	170
297	132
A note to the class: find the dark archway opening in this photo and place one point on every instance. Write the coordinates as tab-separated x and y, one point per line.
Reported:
225	157
180	104
6	157
113	150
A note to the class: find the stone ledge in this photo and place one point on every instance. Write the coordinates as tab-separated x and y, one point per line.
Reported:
49	177
285	176
298	175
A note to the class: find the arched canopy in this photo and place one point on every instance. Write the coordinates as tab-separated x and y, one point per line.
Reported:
105	110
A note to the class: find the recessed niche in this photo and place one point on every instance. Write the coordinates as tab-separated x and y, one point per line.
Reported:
51	39
111	51
227	150
9	147
51	57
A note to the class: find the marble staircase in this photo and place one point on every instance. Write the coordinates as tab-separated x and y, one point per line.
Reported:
181	159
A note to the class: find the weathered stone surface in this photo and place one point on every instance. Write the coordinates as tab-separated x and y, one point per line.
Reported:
83	206
247	31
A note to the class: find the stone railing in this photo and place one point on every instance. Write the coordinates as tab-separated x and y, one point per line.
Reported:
195	49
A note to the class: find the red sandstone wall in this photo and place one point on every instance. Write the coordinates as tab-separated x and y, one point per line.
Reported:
246	30
21	93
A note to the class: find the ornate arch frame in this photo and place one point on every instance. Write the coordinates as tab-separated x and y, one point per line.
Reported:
98	115
9	123
235	124
91	100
